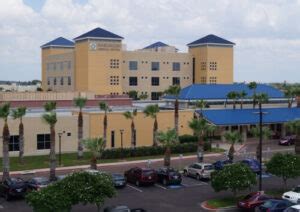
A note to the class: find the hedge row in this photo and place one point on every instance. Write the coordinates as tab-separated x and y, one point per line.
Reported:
147	151
187	139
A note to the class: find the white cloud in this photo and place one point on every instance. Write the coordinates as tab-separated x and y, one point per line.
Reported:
266	31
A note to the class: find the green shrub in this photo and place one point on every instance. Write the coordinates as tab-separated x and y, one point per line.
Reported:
117	153
207	146
187	139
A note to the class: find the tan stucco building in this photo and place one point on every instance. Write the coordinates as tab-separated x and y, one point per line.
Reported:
37	133
98	62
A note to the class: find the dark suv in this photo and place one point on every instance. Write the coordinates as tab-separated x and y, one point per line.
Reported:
13	187
168	176
140	176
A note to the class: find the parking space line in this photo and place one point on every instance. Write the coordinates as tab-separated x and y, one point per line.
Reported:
159	186
139	190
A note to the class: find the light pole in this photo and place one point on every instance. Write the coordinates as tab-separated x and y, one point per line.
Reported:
261	113
121	132
59	147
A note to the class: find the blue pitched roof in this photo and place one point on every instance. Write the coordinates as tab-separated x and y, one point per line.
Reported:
211	39
59	42
223	117
220	91
98	33
156	45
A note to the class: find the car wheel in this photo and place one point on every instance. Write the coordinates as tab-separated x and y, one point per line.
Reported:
198	177
185	173
165	183
137	183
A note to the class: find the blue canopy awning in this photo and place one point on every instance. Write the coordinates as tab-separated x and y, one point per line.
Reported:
230	117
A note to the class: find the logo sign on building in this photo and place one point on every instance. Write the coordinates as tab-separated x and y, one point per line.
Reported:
105	46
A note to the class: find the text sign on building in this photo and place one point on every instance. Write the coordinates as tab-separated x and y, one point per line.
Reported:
105	46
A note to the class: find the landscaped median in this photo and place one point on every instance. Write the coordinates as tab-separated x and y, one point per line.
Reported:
226	203
109	156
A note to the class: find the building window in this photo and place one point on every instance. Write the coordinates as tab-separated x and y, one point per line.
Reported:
43	141
69	81
203	80
114	80
176	81
155	95
61	66
203	66
48	67
48	81
133	81
176	66
213	66
61	81
13	144
133	65
213	80
112	138
155	66
114	63
155	81
54	81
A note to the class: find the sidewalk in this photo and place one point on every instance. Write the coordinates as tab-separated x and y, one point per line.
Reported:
109	164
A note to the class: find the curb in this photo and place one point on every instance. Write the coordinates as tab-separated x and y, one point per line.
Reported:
209	208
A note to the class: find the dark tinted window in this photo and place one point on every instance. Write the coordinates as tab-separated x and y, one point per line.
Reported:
43	141
13	144
133	65
176	66
155	81
133	81
176	81
155	66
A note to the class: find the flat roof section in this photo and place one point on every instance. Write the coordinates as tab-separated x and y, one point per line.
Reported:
231	117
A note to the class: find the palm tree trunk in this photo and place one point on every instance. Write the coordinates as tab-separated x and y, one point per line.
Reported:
5	160
289	103
254	100
105	128
80	135
234	104
155	127
21	143
231	152
167	159
242	102
132	134
258	152
94	163
176	115
200	149
52	153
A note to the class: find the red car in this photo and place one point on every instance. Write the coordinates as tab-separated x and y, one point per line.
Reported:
141	176
253	200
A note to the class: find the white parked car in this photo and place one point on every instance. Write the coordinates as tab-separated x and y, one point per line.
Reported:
294	208
199	170
293	196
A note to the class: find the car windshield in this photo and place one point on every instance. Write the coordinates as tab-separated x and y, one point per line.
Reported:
250	197
16	180
42	181
297	189
118	176
208	167
147	172
268	204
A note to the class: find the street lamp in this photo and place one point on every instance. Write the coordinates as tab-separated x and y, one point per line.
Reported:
59	147
261	113
121	131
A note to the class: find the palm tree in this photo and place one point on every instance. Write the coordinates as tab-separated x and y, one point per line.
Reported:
294	127
261	98
210	131
253	86
50	118
242	96
4	113
151	111
199	126
174	90
233	95
167	139
232	137
80	102
131	115
200	104
96	146
104	106
266	133
18	114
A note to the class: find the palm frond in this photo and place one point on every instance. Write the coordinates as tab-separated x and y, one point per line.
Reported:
80	102
50	106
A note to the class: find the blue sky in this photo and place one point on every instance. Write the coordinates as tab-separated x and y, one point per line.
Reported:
266	32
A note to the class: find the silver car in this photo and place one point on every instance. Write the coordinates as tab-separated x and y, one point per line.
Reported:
199	170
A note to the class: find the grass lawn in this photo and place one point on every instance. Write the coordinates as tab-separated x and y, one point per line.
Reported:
70	159
224	202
